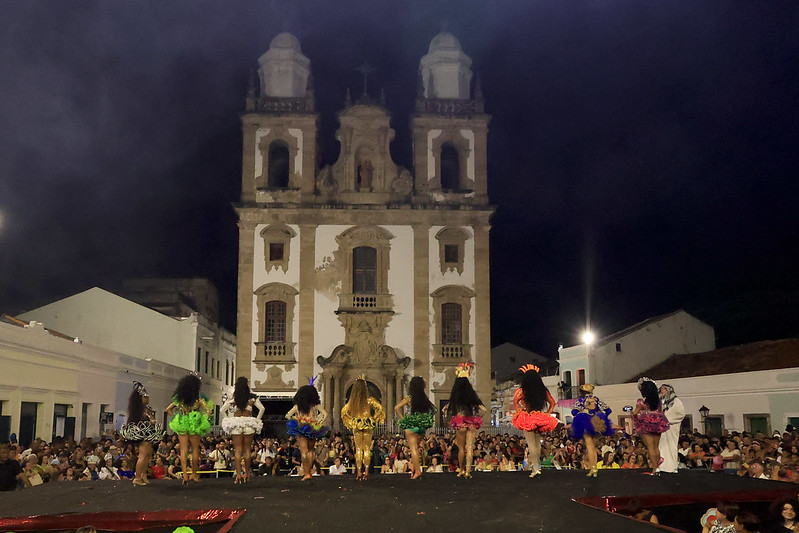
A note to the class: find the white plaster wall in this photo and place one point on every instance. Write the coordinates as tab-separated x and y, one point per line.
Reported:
258	168
103	319
328	332
400	331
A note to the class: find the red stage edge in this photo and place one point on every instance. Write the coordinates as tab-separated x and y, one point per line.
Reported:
124	520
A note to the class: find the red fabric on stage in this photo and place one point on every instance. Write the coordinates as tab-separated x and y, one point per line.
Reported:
123	521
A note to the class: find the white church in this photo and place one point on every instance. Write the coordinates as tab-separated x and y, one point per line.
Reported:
363	266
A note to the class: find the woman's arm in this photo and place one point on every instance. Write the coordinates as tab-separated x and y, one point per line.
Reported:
291	412
171	407
322	414
380	414
258	405
552	403
399	406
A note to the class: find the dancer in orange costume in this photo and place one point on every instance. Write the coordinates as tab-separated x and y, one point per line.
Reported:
529	401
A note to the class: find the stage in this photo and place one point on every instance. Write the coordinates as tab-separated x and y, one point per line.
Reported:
504	501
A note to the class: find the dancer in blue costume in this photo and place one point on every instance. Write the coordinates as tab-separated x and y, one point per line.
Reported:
191	421
419	419
590	422
305	421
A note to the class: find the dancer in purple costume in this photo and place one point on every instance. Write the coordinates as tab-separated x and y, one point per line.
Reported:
650	421
589	422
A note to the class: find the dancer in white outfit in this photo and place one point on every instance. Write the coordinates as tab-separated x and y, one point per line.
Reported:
669	441
242	426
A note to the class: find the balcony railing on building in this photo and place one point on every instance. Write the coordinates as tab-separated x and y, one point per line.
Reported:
365	302
274	351
452	352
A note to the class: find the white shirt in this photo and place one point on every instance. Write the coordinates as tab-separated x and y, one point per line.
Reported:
337	470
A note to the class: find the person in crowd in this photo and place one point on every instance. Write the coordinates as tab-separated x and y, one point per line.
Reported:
191	422
159	468
529	400
337	469
746	522
268	467
306	422
782	516
242	426
589	423
109	471
649	420
360	415
465	411
417	421
731	457
387	467
435	466
669	440
608	462
724	514
142	429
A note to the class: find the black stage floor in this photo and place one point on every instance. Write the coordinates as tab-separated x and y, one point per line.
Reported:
506	501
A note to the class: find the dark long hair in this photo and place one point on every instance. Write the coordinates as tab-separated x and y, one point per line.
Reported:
534	390
307	396
188	390
241	393
420	403
135	407
650	393
463	398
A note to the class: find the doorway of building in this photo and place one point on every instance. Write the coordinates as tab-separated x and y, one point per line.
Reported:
714	425
758	424
27	423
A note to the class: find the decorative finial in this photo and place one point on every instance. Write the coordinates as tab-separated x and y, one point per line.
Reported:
365	69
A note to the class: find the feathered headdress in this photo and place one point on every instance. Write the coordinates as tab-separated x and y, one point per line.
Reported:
529	367
645	379
464	370
138	387
312	380
362	377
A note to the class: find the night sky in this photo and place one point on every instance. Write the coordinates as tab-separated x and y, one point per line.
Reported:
642	155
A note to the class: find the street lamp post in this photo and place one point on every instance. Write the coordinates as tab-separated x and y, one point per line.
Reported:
703	411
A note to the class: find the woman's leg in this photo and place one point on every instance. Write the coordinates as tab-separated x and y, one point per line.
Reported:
590	452
304	444
367	452
460	442
534	451
413	443
357	439
145	453
195	458
183	440
652	442
247	451
238	446
471	434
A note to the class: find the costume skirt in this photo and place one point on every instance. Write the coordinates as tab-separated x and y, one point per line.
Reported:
306	426
651	422
142	431
193	423
417	422
363	423
242	424
460	421
584	423
534	421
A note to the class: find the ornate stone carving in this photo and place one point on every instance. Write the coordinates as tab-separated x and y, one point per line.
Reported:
326	183
274	379
402	186
451	236
280	235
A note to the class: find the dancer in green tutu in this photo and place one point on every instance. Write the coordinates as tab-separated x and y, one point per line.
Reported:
419	419
191	421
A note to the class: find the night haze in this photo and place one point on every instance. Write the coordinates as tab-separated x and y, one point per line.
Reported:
641	157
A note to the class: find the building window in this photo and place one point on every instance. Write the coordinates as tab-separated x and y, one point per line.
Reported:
275	321
581	377
618	346
276	251
207	355
199	359
451	253
227	372
451	246
364	270
277	246
451	326
278	166
450	168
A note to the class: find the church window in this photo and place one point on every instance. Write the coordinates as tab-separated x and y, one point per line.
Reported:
451	253
450	168
278	168
364	270
451	326
275	321
277	246
451	246
452	309
276	303
276	251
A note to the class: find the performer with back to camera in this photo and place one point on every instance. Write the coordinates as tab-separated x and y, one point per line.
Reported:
141	428
590	422
529	400
305	422
650	421
242	426
669	441
417	421
191	421
360	415
465	410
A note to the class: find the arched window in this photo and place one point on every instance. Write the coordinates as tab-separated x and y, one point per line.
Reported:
278	171
275	321
364	270
451	324
450	168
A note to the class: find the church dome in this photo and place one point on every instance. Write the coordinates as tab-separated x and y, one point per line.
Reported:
444	41
286	40
284	70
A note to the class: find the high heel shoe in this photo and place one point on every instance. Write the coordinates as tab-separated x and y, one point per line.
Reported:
592	472
185	479
535	473
139	483
467	475
238	480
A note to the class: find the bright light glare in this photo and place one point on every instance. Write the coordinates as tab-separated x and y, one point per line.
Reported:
588	337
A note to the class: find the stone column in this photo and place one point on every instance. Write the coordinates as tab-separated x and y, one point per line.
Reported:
482	315
248	160
305	345
244	324
421	302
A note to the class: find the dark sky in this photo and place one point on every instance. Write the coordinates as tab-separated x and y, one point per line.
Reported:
642	155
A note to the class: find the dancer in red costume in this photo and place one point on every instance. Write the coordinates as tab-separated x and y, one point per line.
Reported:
465	410
529	401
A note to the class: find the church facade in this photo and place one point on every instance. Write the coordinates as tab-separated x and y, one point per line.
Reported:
363	266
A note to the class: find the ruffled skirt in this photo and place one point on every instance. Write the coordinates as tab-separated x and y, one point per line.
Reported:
306	427
417	422
651	422
534	421
194	423
584	423
364	423
141	432
236	425
460	421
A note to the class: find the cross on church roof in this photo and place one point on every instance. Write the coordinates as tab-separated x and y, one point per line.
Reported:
365	69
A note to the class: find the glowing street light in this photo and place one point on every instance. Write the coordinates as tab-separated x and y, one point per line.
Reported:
588	337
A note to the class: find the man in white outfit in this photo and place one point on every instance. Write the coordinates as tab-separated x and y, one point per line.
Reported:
669	441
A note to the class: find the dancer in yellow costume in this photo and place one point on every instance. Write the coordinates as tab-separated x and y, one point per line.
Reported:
361	414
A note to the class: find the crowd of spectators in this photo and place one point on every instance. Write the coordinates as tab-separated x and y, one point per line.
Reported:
772	457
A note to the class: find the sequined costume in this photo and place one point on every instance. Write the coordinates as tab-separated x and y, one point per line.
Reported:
649	421
363	421
461	421
308	425
145	430
192	419
418	423
241	422
527	420
591	417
